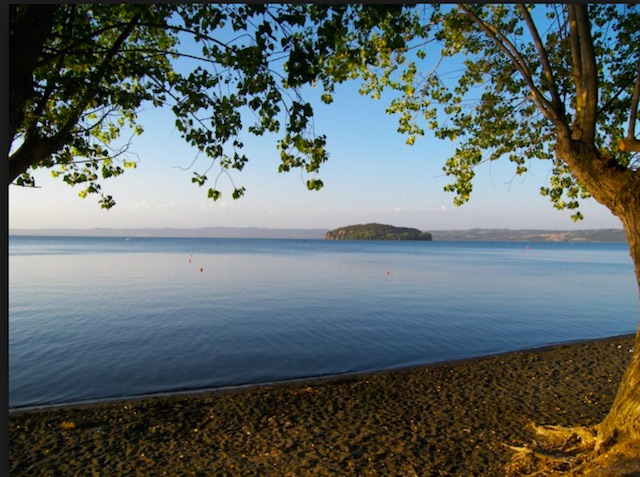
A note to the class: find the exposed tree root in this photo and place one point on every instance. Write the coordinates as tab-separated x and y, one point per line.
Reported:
567	439
571	452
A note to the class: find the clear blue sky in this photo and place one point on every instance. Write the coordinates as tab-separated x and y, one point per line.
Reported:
372	176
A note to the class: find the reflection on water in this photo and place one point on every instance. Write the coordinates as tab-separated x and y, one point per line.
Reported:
98	318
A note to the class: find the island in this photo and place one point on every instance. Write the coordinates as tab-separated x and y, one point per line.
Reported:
376	232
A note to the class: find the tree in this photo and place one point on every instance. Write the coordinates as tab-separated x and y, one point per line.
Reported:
559	83
79	74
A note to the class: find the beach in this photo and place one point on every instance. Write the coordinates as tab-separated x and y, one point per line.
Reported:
449	419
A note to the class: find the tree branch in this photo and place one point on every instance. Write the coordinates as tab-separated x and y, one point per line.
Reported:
29	27
546	66
630	143
633	114
513	54
98	74
590	69
36	148
576	59
585	73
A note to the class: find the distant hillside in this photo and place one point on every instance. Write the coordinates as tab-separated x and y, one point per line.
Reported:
508	235
204	232
376	232
504	235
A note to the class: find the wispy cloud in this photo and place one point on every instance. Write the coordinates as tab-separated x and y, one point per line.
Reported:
442	208
150	204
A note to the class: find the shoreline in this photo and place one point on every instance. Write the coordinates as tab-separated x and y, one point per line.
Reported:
450	418
307	380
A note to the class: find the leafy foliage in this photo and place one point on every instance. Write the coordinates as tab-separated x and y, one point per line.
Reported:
487	87
81	73
498	80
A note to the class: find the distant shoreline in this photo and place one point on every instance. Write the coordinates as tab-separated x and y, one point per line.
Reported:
476	234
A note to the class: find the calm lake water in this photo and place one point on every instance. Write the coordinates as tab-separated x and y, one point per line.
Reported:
103	318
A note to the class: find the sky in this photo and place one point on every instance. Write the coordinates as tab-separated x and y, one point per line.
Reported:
372	176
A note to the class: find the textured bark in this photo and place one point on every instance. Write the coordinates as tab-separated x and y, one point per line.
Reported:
31	152
585	73
617	188
631	145
623	420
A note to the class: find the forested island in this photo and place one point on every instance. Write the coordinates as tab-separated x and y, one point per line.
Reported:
376	232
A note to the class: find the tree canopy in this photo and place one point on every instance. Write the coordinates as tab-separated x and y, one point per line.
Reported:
500	81
79	74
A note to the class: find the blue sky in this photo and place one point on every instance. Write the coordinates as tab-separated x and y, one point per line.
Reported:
372	176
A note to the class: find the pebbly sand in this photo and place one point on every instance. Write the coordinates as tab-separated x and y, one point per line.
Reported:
452	419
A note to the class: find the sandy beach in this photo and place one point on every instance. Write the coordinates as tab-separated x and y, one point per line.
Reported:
452	419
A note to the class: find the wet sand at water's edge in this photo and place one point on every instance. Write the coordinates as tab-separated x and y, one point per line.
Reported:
450	419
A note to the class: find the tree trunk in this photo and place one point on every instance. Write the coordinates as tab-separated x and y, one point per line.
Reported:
623	420
617	188
30	25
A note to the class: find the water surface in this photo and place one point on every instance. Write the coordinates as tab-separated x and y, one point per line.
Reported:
100	318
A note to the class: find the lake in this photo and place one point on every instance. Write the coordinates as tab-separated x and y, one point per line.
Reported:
95	318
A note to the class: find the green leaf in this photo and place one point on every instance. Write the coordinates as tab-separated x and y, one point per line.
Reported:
213	194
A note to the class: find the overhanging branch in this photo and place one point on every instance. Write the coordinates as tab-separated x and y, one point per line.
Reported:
37	148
